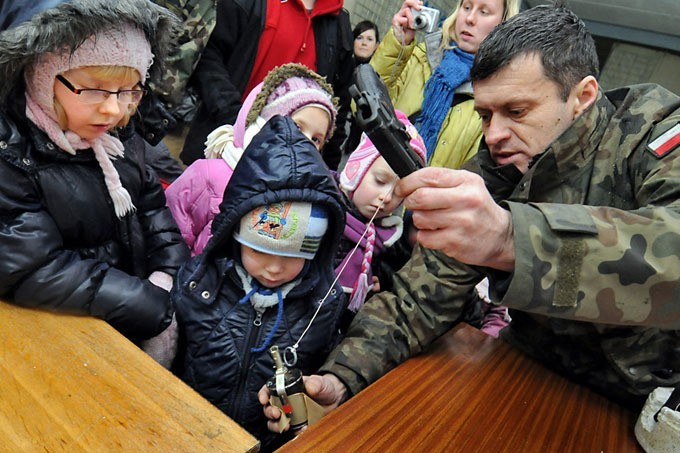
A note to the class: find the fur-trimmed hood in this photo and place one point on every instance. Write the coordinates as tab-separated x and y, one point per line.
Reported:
55	24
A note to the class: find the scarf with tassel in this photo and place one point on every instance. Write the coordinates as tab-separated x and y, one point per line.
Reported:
105	147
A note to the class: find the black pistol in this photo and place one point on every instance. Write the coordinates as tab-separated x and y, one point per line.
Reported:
375	115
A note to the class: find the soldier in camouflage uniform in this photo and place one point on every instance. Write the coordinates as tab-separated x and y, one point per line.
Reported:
571	209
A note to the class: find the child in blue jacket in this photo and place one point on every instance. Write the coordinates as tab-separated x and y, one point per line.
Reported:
262	276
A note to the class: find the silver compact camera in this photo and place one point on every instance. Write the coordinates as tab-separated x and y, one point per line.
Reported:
426	19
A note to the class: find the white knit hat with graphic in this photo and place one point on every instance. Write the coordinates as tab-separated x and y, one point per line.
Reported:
287	228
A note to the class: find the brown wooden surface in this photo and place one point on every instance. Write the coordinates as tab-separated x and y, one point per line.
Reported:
71	383
472	393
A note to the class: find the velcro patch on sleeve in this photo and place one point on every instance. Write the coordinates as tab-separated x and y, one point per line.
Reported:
666	142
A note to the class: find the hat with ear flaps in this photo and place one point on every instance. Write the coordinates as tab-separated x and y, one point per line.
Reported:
63	26
289	87
72	35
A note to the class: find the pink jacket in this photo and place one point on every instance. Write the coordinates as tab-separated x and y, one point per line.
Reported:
194	199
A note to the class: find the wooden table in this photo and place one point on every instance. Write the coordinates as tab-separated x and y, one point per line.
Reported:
70	383
472	393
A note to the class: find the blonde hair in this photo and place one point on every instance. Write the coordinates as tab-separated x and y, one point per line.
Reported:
124	73
510	8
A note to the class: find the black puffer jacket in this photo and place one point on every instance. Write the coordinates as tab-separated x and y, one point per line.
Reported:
279	164
62	246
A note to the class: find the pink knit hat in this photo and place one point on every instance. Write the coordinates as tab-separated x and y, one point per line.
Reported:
288	88
122	45
297	92
363	157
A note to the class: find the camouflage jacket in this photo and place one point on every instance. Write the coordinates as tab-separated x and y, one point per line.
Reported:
595	289
198	19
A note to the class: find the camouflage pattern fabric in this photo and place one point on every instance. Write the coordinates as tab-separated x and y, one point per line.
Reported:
596	289
198	19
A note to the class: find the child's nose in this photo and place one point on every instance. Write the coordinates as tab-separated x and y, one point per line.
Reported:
110	106
274	266
386	197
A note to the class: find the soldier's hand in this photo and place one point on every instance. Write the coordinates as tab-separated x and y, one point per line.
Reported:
455	213
327	390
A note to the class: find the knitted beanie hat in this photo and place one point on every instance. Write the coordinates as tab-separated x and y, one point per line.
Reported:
287	228
124	45
366	153
288	88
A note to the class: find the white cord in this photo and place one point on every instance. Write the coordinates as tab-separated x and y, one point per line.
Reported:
401	54
337	277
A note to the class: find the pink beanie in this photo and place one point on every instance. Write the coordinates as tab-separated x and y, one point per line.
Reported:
124	45
363	157
295	93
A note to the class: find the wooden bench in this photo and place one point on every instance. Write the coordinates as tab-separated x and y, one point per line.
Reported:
71	383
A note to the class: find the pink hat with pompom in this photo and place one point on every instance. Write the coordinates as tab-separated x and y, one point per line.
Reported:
297	92
366	153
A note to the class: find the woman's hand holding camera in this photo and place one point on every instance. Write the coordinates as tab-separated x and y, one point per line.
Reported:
402	22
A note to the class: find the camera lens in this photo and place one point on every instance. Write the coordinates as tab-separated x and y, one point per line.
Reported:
420	21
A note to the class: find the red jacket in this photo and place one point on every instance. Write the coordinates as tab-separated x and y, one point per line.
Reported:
289	25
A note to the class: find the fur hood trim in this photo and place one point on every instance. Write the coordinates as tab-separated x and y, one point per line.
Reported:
72	22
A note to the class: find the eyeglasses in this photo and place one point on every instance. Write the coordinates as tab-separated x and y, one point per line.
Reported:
96	96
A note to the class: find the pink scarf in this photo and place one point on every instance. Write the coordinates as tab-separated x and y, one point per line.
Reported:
105	147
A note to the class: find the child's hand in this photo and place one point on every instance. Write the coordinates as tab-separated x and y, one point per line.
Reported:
272	412
376	284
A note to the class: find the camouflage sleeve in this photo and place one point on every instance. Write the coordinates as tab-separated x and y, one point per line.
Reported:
604	264
198	19
430	293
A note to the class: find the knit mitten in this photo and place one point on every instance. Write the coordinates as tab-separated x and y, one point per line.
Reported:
163	347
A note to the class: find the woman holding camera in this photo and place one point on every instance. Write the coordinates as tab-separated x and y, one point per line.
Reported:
429	80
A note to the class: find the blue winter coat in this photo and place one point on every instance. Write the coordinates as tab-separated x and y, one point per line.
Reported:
279	164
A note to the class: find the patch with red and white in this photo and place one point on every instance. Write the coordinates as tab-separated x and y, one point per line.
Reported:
666	142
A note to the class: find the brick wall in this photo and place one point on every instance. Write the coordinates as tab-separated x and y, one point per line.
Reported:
381	11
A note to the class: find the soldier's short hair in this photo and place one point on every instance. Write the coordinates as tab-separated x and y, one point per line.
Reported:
555	33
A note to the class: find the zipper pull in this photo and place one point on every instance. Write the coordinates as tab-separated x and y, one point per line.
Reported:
258	319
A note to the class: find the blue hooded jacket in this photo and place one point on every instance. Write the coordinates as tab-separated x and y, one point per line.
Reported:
219	332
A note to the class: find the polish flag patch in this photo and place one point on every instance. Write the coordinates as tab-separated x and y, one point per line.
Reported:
666	142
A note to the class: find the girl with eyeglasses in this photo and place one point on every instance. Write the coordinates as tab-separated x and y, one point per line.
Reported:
83	223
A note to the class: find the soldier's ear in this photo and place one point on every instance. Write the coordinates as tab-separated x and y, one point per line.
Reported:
584	94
